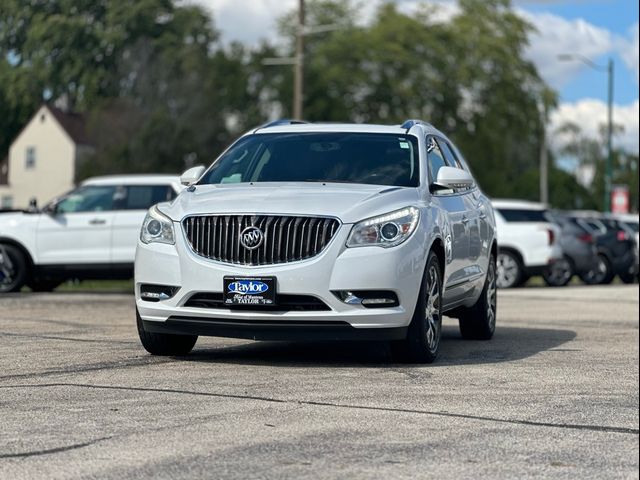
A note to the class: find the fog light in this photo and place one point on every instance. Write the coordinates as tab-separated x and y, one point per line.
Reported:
378	302
368	298
156	293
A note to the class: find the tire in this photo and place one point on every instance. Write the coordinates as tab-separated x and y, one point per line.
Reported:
509	270
560	273
423	337
14	269
601	274
628	277
479	322
163	343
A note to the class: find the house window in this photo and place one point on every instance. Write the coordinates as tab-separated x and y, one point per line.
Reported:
30	160
6	202
4	172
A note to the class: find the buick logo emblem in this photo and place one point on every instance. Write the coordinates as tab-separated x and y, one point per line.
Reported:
251	238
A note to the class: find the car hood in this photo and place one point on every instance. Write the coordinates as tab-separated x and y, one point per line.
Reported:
349	202
12	217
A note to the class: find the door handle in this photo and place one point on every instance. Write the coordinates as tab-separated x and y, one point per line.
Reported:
97	221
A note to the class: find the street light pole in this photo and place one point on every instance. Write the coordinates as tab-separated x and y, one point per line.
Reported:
609	167
608	170
298	66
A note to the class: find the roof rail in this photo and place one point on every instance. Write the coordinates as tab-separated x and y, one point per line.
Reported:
410	123
283	121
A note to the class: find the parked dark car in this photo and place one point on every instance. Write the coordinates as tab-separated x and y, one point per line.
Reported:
616	251
579	252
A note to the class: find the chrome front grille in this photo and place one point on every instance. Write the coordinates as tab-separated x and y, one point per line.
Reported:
285	238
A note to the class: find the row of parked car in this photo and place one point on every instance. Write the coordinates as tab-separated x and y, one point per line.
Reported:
91	232
558	245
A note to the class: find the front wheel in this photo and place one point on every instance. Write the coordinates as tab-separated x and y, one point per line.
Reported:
164	343
423	336
559	273
14	270
479	322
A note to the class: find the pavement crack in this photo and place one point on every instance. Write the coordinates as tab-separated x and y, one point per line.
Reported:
91	368
570	426
68	339
50	451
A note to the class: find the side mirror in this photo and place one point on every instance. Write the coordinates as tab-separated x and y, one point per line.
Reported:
450	178
50	208
33	204
192	175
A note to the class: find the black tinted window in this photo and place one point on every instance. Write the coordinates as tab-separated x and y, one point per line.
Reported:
379	159
522	215
142	197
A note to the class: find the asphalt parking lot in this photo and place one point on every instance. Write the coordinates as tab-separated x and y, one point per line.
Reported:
554	394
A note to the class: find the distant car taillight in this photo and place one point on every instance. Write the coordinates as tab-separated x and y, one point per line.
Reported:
552	236
586	238
621	236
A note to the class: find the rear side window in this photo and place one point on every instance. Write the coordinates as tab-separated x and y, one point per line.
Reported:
522	215
633	226
142	197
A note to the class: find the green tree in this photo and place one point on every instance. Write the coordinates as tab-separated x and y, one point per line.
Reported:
591	153
151	75
467	76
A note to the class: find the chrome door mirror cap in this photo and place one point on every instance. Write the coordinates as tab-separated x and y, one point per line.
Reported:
192	175
451	178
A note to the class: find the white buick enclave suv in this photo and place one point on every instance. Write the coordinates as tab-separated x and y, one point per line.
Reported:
321	231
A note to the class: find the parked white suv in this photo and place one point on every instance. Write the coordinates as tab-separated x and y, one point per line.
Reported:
529	242
90	232
321	231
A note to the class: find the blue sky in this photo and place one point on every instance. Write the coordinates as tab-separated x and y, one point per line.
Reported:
596	29
616	16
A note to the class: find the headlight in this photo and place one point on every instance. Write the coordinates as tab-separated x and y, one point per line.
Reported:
386	230
157	228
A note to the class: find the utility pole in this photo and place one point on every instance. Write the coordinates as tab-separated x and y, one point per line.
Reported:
608	170
609	167
298	66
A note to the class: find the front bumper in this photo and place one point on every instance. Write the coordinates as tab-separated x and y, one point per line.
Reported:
397	269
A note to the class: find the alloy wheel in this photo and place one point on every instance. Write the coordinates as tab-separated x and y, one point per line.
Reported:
7	271
508	270
559	273
433	308
600	271
492	291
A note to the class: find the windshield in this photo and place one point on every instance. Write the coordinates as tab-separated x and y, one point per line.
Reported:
371	158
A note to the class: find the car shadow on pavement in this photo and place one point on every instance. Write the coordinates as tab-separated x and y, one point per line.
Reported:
508	344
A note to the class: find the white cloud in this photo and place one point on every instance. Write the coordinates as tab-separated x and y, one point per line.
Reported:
628	49
253	20
590	115
247	21
556	35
